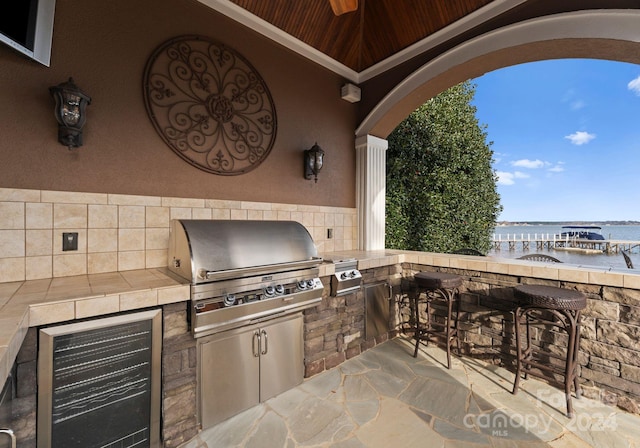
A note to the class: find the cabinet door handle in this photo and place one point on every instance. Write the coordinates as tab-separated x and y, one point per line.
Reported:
255	344
10	433
266	343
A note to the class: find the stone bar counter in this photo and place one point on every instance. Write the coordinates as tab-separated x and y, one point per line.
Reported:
609	358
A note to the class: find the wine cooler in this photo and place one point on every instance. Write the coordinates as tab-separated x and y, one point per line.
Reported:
99	383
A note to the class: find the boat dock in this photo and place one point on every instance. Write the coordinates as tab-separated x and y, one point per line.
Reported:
539	241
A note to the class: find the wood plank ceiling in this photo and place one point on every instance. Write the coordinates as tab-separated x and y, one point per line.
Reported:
377	30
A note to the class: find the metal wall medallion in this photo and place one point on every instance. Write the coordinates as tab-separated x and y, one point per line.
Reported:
209	105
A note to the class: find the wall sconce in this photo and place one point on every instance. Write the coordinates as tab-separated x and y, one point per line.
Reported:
71	103
313	160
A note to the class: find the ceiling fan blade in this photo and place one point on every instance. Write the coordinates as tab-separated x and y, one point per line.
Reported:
343	6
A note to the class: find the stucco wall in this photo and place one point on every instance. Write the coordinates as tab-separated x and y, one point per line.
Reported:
104	46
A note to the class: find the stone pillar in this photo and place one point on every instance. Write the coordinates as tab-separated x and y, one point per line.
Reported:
370	191
179	378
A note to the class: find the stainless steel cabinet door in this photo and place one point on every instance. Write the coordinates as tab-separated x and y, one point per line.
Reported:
377	312
229	374
282	356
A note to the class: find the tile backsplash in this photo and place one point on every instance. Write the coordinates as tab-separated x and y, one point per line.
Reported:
124	232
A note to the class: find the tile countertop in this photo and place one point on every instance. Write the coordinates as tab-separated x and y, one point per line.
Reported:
40	302
597	275
33	303
366	259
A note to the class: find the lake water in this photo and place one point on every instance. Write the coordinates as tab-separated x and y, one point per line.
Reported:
610	232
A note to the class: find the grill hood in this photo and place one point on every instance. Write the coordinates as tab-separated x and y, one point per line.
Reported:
209	250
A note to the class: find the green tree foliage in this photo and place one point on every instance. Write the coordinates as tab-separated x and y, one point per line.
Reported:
441	188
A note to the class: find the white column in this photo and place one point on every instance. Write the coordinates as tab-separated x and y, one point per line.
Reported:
370	191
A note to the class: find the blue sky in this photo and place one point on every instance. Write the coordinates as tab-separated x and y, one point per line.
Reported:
566	139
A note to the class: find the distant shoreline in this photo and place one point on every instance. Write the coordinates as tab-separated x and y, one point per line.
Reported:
567	223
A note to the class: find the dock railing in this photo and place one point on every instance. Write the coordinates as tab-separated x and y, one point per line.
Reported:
542	241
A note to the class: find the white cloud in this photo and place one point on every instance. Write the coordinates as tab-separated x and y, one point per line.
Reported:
634	86
580	137
507	178
526	163
558	168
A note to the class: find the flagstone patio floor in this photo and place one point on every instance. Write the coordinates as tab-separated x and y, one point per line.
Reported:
385	398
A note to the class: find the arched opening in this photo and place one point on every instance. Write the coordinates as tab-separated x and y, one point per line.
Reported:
610	35
565	150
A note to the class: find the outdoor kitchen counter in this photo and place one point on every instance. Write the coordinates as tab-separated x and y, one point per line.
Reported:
366	259
40	302
32	303
597	275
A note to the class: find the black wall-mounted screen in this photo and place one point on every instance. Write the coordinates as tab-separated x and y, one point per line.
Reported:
20	24
27	26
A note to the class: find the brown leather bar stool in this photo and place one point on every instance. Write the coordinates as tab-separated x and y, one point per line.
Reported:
558	307
437	286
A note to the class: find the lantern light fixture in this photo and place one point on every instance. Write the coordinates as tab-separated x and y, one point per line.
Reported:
70	112
313	161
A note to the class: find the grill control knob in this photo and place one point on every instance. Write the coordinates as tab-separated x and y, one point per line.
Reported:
229	300
279	289
353	273
310	283
302	284
343	276
269	291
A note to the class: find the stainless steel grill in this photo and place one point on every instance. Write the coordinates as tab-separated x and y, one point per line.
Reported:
250	281
243	271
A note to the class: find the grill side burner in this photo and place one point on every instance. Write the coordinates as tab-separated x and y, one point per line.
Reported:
347	277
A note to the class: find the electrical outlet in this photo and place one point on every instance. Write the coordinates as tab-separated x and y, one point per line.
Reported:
329	234
69	241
